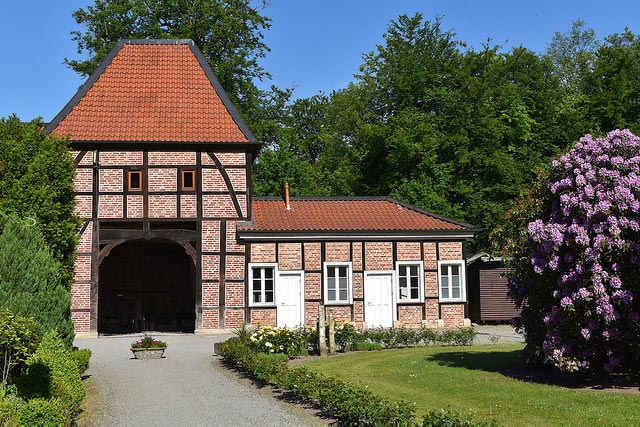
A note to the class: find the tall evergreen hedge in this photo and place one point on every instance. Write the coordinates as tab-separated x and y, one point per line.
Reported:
30	280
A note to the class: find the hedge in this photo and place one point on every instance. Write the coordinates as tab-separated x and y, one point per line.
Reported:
52	373
353	405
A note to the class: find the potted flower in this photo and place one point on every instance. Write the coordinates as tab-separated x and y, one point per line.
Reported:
148	348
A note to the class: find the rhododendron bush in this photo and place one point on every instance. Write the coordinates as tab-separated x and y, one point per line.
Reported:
579	282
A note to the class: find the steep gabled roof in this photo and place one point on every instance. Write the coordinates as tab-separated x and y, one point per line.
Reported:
346	216
152	91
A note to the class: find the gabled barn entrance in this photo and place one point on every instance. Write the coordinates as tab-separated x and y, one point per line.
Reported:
147	285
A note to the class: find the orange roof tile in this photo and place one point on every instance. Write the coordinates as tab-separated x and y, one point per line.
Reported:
355	214
152	90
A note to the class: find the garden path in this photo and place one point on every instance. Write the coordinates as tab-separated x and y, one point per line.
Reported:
185	388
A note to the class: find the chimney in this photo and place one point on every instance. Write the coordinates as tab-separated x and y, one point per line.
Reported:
286	197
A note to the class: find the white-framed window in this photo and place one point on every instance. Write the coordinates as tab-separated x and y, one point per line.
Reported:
262	284
410	276
451	281
337	283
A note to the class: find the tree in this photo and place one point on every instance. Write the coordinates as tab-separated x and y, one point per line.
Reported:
229	34
30	283
36	181
577	263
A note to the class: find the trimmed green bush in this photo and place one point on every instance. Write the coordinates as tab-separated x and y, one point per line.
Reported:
352	404
52	373
450	418
18	340
366	346
81	358
8	412
42	413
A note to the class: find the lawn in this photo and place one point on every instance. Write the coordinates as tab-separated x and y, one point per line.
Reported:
471	380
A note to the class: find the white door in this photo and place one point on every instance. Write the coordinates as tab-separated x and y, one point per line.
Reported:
289	299
378	299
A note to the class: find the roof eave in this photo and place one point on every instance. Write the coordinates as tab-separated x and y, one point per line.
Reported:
390	235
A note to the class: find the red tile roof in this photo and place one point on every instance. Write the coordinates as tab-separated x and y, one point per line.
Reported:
152	90
358	214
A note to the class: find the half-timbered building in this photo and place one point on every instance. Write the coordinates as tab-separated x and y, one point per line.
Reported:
173	239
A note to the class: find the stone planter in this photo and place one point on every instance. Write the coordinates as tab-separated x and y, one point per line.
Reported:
148	353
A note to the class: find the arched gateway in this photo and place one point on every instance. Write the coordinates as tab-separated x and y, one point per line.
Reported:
147	285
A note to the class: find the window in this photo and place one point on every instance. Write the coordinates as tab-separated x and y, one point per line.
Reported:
188	180
337	283
451	280
410	279
262	278
134	180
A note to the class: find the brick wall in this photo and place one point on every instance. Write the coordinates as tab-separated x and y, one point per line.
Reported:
162	206
165	179
218	205
234	295
337	252
290	256
312	288
210	236
378	256
450	250
110	180
83	180
341	313
452	315
234	267
408	251
120	158
312	256
83	206
233	318
157	158
110	206
188	206
263	316
410	316
135	206
263	252
81	321
210	318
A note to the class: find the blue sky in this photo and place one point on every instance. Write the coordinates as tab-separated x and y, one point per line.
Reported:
315	45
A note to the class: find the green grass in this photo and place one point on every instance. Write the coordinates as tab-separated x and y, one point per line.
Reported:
471	380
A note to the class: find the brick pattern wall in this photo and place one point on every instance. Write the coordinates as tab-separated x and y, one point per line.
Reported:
233	318
218	206
263	316
135	206
452	315
312	287
234	267
86	160
450	250
165	179
212	180
121	158
110	206
81	321
341	313
408	251
83	206
232	241
188	206
210	236
160	158
234	295
379	256
210	318
337	252
410	316
430	258
210	295
290	256
263	252
312	259
162	206
83	181
110	180
357	255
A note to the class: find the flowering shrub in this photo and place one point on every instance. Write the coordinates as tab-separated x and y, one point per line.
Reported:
579	285
148	342
279	340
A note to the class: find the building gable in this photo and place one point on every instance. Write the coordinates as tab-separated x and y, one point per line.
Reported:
152	91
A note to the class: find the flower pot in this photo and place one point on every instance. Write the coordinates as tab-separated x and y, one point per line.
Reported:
148	353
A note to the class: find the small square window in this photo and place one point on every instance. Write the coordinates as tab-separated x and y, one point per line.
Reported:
188	180
134	180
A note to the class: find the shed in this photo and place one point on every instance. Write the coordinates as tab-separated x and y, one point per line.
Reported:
487	284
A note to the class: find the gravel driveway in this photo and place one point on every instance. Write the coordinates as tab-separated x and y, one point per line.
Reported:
185	388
